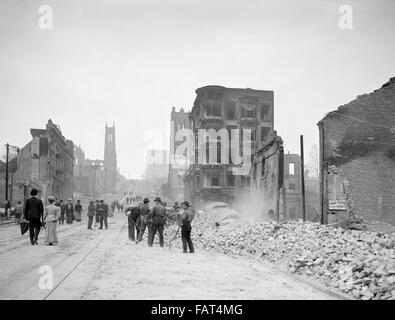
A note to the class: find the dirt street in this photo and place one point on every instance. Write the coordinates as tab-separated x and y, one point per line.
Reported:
104	264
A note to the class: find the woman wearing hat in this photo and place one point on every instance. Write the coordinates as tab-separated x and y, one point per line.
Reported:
51	216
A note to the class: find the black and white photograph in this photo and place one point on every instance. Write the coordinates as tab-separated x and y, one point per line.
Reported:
177	152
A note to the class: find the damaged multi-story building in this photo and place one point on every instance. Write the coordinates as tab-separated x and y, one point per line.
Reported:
270	186
216	108
46	163
357	158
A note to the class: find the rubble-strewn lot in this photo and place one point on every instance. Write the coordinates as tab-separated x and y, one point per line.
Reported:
359	263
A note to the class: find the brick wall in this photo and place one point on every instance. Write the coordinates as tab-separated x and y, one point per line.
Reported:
359	139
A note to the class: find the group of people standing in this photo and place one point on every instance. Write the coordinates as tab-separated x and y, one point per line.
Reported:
99	211
141	217
69	211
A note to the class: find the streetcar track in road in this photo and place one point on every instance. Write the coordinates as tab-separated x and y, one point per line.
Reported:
21	244
82	260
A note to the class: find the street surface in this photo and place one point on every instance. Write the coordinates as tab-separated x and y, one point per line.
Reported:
104	264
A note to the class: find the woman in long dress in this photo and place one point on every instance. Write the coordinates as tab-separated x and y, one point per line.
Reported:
51	216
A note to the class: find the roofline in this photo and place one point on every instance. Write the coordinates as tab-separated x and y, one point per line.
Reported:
227	88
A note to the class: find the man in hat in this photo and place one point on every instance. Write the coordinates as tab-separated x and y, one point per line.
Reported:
186	228
133	222
103	214
69	212
91	214
144	218
158	217
62	212
34	213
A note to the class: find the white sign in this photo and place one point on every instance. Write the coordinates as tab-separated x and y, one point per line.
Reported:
337	205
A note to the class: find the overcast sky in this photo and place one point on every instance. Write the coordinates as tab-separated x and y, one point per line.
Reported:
130	61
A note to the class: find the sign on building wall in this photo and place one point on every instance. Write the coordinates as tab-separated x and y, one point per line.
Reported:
337	204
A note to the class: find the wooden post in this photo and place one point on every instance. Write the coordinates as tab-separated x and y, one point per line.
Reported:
302	178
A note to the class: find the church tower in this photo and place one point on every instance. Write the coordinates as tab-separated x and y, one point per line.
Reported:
110	159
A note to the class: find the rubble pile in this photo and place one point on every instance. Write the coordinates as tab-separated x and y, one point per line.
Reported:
359	263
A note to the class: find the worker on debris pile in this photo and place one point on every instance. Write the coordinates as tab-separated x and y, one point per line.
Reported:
186	228
134	214
145	210
158	218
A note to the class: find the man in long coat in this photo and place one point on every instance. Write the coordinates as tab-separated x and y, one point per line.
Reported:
103	214
34	212
69	212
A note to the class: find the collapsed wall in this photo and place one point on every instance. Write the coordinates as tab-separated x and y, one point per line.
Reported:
357	159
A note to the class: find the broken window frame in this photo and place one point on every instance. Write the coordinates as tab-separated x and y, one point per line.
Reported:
228	106
265	116
212	108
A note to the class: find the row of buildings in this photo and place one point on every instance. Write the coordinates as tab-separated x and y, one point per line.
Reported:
55	166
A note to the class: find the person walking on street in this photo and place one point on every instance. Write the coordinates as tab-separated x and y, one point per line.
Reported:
34	211
62	212
78	210
51	217
18	212
158	217
103	214
91	214
69	212
133	221
145	210
186	228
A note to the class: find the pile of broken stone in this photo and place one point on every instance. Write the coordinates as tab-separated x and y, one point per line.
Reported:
358	263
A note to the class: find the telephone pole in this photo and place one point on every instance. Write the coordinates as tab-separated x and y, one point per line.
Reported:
302	178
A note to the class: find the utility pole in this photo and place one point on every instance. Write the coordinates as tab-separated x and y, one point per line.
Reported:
302	178
6	179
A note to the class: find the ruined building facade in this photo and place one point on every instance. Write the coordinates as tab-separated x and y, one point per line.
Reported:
276	189
357	158
216	108
46	163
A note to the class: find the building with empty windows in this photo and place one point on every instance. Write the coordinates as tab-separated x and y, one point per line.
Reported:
225	115
46	163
